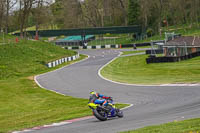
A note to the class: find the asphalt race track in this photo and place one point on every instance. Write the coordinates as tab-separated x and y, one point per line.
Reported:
152	105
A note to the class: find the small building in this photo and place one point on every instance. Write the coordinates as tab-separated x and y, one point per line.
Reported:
182	46
75	40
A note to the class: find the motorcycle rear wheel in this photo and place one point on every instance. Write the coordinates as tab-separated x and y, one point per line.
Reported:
119	113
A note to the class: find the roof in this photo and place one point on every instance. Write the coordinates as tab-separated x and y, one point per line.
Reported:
189	41
75	38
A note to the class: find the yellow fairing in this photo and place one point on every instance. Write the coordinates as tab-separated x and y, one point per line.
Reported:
93	105
111	105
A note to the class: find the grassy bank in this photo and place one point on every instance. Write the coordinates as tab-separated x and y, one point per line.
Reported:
22	103
27	58
134	70
187	126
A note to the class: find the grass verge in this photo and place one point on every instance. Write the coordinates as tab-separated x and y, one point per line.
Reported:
134	70
187	126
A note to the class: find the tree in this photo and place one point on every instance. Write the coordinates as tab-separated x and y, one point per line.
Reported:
24	11
2	13
9	5
133	12
40	14
92	12
123	4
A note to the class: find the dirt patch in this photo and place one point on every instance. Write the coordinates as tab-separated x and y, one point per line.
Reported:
30	77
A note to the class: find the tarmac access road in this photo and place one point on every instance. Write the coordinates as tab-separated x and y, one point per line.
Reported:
152	104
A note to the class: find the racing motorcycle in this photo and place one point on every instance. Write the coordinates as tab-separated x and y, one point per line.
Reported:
103	113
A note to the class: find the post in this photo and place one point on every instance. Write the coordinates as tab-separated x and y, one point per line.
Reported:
3	36
186	49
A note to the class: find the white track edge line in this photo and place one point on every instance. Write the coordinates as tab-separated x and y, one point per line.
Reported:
163	85
35	77
130	105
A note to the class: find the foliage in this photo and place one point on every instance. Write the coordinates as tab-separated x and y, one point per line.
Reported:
153	14
133	12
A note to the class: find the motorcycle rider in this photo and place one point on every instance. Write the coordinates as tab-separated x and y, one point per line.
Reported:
98	98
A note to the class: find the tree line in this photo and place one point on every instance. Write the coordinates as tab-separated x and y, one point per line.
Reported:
62	14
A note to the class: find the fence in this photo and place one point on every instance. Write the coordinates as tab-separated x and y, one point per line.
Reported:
62	60
153	59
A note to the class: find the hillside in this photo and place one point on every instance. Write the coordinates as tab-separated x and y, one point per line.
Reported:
27	57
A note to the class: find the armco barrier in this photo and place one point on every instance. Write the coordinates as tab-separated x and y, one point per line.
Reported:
156	51
134	45
109	46
171	59
62	60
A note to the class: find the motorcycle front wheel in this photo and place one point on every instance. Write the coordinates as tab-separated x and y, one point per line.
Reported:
99	114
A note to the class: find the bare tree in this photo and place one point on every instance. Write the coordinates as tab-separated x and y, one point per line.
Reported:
9	5
2	12
92	11
124	4
24	10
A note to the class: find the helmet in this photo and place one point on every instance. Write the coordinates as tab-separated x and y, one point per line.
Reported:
93	92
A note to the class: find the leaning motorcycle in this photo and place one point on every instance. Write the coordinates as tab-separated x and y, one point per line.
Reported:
103	113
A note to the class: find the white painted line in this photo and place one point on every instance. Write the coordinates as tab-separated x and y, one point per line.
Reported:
131	105
65	59
73	57
99	73
69	58
59	124
107	46
54	64
60	61
46	126
49	65
35	77
89	47
98	47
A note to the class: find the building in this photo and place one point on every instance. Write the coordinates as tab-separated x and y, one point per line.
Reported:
178	48
75	40
182	46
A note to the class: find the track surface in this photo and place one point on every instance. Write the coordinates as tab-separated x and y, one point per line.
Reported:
152	105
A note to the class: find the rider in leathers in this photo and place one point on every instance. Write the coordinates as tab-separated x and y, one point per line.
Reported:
98	98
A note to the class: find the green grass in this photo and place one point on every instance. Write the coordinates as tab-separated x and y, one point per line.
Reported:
22	103
134	70
132	52
187	126
42	27
120	40
5	39
28	58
